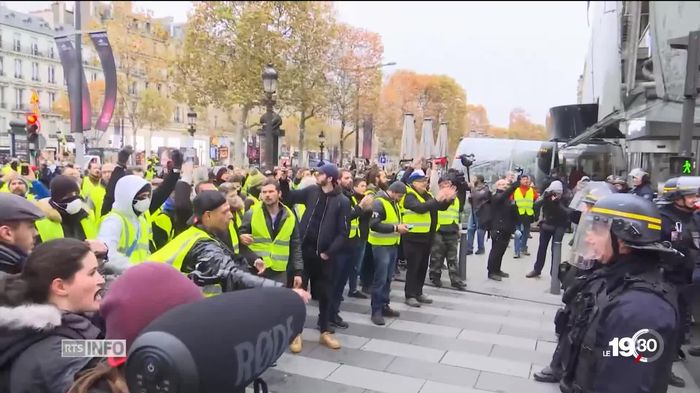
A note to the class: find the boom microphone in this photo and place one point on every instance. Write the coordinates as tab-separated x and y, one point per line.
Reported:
217	345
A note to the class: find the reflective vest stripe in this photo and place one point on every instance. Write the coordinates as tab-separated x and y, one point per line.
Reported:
354	223
274	252
392	218
49	230
525	202
449	216
420	221
234	236
141	250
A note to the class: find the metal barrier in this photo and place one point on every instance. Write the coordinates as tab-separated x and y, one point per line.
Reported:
463	254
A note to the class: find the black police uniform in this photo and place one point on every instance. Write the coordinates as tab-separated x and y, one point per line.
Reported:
631	295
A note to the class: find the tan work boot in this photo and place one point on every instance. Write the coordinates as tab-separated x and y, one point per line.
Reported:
295	346
329	341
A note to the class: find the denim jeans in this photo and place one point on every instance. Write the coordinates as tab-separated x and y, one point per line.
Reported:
384	265
473	228
357	267
520	243
344	265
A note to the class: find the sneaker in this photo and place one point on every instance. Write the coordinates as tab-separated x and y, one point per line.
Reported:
494	276
357	295
378	319
329	341
424	299
480	251
339	323
694	351
532	274
516	256
390	312
675	380
470	252
295	346
412	302
526	253
546	375
436	282
503	274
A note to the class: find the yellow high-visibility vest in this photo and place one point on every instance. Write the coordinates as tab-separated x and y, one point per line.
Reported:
275	252
137	250
97	196
525	203
449	216
163	222
176	250
234	236
49	230
392	218
354	224
421	222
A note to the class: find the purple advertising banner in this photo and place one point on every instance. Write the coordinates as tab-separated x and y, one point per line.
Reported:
104	51
72	73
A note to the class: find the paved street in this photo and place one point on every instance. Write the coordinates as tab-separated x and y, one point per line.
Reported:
485	340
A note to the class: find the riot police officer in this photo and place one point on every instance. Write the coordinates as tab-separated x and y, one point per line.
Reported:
606	348
575	275
677	206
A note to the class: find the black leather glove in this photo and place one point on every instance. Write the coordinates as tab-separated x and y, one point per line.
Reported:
123	156
177	158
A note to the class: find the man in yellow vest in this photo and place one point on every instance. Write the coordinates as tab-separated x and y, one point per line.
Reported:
95	197
524	197
419	210
92	180
445	243
385	230
199	250
269	229
66	214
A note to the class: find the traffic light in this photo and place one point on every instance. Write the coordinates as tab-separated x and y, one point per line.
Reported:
32	127
682	166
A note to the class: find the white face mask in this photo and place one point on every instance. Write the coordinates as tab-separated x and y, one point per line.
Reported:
74	206
142	205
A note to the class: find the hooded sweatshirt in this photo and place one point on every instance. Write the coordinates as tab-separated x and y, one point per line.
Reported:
111	227
30	348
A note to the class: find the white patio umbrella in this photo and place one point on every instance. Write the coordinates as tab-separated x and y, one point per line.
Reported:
441	143
408	137
427	143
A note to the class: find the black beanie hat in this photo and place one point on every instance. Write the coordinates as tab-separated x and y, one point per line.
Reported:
207	201
61	186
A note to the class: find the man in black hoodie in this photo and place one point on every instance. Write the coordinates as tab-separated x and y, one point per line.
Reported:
17	216
504	219
324	233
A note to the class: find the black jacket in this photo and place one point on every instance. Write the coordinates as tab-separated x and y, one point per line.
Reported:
379	214
11	260
679	269
504	212
479	196
334	229
211	256
555	214
295	259
30	348
430	205
643	191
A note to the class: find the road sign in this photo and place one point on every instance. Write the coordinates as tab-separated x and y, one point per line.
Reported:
682	166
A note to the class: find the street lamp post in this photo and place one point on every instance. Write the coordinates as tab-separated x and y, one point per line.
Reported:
357	105
269	119
321	141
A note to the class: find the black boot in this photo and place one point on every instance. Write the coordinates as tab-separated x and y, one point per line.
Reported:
675	380
547	375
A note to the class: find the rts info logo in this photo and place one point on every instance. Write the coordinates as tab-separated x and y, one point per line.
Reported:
645	346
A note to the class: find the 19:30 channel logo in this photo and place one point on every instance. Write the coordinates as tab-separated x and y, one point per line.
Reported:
645	346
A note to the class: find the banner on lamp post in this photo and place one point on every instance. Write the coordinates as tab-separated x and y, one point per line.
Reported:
367	128
109	69
75	79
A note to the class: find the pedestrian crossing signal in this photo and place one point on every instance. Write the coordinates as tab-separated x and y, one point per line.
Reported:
682	166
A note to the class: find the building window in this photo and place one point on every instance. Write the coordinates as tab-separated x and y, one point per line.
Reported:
0	39
19	98
51	53
178	119
94	76
3	104
132	89
35	47
2	66
52	74
52	99
35	72
17	43
18	68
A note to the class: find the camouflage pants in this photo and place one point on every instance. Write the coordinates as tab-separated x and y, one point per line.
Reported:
444	246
